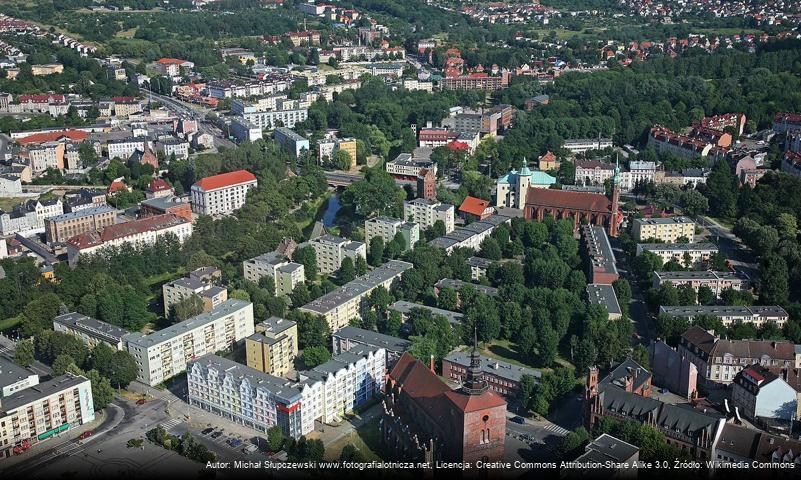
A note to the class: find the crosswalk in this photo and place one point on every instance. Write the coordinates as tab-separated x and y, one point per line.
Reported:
69	450
556	429
171	424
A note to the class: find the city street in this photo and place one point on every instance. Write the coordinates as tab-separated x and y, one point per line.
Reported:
734	249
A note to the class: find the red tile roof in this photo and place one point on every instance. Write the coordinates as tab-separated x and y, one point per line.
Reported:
127	229
158	185
457	145
117	186
417	380
74	135
224	180
46	98
548	157
474	206
170	61
594	202
471	403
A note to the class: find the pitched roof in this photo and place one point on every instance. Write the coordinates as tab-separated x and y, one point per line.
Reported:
158	185
74	135
700	338
417	380
225	180
122	230
595	202
474	206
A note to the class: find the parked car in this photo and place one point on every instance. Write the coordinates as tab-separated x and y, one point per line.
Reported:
216	434
207	431
141	401
250	448
234	442
518	419
84	435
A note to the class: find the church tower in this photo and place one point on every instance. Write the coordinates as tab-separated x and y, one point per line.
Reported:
474	383
613	220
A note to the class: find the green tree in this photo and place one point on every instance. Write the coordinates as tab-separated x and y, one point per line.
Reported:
313	356
102	392
447	299
375	256
361	266
490	249
275	439
705	295
24	353
63	364
307	257
347	271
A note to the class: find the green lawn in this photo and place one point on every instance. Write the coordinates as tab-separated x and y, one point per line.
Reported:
366	438
507	351
9	323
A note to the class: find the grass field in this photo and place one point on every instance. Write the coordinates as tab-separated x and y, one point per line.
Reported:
365	438
507	351
7	203
9	323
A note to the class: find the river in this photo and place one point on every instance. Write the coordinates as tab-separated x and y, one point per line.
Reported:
331	210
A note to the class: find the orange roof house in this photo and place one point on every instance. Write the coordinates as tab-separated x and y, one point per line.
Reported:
476	207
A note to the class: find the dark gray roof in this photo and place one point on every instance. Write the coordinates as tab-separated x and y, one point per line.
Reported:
598	248
375	339
628	367
43	390
275	325
700	275
458	284
11	373
604	294
281	388
724	310
403	307
479	262
493	366
92	327
606	447
337	363
705	246
86	212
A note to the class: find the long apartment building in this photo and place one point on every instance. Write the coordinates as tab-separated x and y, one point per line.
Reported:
163	354
178	290
331	250
471	235
426	212
664	141
336	387
720	360
274	346
696	253
666	230
386	228
224	89
39	412
145	231
14	378
245	395
222	194
286	274
349	337
65	226
90	330
717	281
343	304
731	314
124	148
287	114
406	166
599	257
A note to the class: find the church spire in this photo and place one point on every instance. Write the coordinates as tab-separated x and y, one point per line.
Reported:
474	384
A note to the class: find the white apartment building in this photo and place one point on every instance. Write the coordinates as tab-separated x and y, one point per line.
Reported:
245	131
731	314
239	107
638	172
179	148
335	388
411	84
91	331
252	89
29	216
277	118
165	353
471	235
123	149
331	250
405	166
716	281
39	412
246	396
426	212
581	145
46	155
593	172
286	275
14	378
666	230
387	228
222	194
177	290
343	304
697	252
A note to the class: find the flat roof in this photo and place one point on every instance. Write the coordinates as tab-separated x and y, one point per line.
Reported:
29	395
85	212
290	134
372	338
700	275
603	294
92	326
281	388
226	308
458	284
606	448
599	249
357	287
678	247
276	325
466	232
724	310
479	262
493	366
663	221
403	307
11	373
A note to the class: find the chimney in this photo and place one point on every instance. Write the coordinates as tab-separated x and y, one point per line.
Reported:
431	365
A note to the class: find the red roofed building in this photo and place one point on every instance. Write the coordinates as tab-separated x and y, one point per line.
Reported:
117	186
44	99
582	207
475	208
457	145
172	66
425	420
548	161
222	194
786	122
68	135
158	188
138	232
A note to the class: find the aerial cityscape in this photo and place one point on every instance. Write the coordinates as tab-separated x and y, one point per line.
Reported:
402	238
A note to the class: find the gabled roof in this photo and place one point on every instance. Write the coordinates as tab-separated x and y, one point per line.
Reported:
566	199
474	206
225	180
73	135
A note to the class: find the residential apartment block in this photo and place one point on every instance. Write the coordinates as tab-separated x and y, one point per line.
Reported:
720	360
471	235
222	194
178	290
91	331
349	337
291	141
343	304
666	230
286	275
328	146
717	281
731	314
65	226
387	228
582	145
39	412
761	395
604	294
163	354
502	377
696	253
14	378
124	148
145	231
331	250
245	395
426	212
599	257
274	346
30	215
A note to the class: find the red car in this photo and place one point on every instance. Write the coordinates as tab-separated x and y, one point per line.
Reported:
141	401
84	435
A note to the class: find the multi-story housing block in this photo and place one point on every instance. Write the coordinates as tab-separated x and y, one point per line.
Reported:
471	235
30	215
124	148
90	330
716	281
178	206
731	314
387	228
582	145
694	253
331	250
667	230
65	226
178	290
405	166
349	337
165	353
291	141
286	274
274	346
599	257
14	378
343	304
327	147
426	212
222	194
39	412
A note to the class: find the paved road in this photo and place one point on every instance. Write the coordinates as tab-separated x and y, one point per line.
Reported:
638	309
740	256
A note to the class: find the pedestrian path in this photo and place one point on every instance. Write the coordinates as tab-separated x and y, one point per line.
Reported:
171	424
557	429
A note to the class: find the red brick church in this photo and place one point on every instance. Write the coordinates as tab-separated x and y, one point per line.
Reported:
582	207
425	420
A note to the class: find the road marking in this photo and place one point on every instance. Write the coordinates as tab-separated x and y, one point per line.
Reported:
557	429
171	424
